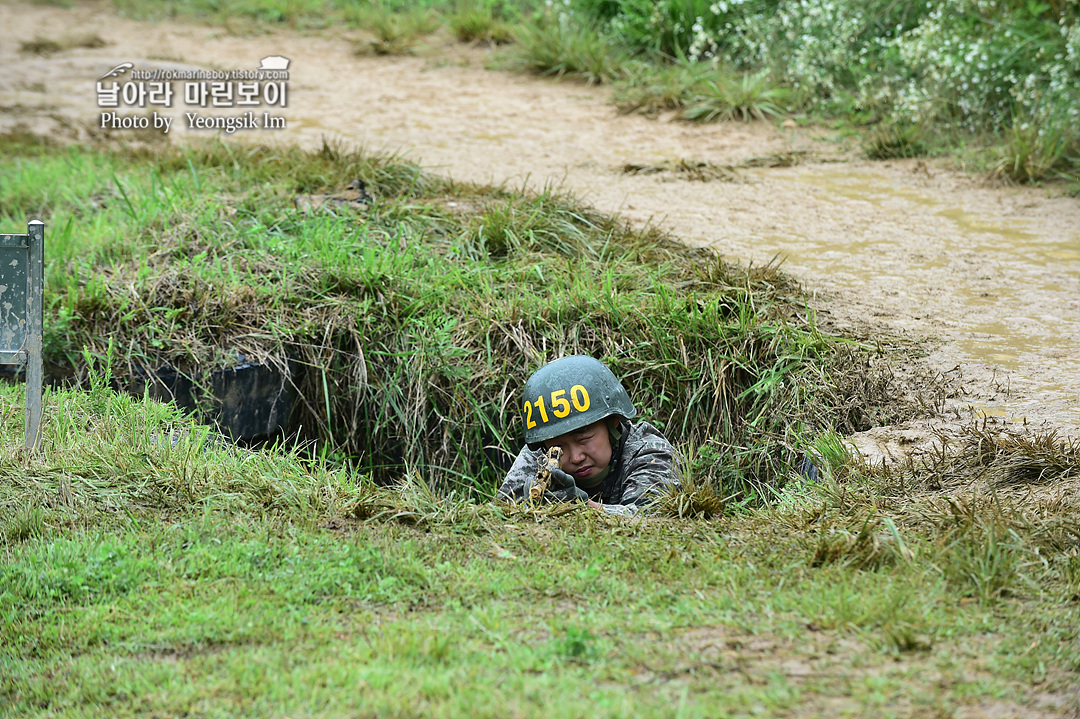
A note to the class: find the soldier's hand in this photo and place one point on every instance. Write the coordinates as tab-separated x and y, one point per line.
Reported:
564	488
561	488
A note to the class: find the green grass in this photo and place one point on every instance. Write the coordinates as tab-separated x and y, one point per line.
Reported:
1032	151
301	14
397	26
649	88
148	567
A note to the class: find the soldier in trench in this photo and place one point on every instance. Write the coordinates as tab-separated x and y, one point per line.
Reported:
576	404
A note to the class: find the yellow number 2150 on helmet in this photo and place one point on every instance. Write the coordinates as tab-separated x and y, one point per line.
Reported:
568	394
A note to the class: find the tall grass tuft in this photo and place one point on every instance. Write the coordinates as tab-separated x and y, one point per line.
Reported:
396	31
892	140
650	88
476	21
1032	150
748	97
564	49
105	456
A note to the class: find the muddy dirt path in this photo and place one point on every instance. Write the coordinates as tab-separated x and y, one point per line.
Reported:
988	277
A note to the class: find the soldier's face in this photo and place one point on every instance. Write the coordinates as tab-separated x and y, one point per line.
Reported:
586	452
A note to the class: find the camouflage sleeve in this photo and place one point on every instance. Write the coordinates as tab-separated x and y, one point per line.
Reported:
523	469
651	468
622	510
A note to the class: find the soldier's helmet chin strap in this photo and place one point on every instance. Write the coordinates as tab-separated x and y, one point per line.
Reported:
615	433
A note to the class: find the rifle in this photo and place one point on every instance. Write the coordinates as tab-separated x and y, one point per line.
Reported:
544	466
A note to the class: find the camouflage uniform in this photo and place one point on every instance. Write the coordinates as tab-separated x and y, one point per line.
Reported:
644	465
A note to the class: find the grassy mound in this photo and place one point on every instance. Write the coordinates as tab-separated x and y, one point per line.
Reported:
409	326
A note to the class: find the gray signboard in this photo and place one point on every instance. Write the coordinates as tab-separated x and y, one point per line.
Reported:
21	314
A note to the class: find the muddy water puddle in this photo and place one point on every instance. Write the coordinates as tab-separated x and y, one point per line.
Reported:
1012	282
1012	238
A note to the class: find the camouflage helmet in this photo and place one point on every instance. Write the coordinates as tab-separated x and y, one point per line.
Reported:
568	394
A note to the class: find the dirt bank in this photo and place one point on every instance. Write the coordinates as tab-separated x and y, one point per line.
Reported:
988	277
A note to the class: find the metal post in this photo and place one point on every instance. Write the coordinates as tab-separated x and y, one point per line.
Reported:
35	314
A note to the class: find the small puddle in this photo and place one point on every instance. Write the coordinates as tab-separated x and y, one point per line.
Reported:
1016	284
1010	236
875	189
985	410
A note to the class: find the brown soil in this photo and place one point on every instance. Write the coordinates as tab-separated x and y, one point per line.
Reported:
987	277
